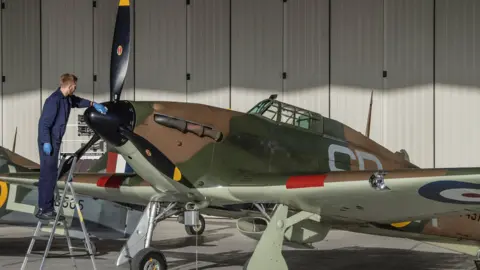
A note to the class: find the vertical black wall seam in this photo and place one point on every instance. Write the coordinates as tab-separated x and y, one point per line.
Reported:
384	69
187	43
330	58
186	50
133	42
41	55
93	51
434	64
230	59
1	60
283	49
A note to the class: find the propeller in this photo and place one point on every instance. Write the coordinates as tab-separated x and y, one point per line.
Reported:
118	69
120	50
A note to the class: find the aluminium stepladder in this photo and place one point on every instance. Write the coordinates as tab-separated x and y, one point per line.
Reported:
68	185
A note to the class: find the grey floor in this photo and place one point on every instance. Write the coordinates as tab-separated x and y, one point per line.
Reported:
222	247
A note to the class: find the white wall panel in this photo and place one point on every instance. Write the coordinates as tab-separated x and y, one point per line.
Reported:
160	57
408	93
21	66
457	83
357	63
67	46
208	57
307	54
104	16
257	51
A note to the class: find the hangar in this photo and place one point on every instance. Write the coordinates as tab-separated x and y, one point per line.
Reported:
421	58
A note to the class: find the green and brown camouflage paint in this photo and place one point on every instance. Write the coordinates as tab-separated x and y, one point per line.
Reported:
253	145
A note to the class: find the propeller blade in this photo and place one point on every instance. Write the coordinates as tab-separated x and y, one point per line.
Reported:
80	152
120	50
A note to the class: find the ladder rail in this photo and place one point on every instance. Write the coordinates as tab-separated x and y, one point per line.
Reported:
68	185
82	224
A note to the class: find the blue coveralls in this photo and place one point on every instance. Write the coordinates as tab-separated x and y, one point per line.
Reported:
51	128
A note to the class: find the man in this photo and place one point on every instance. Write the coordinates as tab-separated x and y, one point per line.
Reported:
51	128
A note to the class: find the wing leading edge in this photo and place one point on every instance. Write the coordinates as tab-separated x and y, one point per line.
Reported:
117	187
409	194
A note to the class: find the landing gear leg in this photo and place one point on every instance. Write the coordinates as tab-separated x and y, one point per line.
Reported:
268	253
137	249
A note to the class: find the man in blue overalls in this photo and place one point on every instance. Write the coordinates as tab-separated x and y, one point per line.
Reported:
51	128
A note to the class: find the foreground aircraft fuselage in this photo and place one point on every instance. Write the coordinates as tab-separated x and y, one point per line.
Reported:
210	151
104	219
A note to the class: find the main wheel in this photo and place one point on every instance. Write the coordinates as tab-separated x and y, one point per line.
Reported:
149	259
196	230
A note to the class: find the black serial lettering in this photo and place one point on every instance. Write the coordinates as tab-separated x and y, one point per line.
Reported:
474	217
68	203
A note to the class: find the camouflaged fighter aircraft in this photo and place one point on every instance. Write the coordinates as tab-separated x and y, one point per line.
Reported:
319	173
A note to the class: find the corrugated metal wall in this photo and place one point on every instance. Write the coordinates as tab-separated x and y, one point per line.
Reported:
407	120
208	55
161	51
306	54
323	55
257	51
21	67
357	63
457	83
67	30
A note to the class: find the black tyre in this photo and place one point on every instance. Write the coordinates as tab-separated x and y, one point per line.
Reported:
196	230
149	259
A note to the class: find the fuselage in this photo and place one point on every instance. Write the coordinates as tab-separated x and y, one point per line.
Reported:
204	147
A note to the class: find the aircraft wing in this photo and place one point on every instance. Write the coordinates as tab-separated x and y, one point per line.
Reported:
117	187
411	194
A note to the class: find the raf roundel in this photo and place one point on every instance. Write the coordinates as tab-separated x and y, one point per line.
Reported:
119	50
451	192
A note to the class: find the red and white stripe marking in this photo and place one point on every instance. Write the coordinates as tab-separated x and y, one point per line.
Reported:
305	181
115	163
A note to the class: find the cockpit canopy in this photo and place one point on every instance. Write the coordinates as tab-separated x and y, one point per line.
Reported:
284	113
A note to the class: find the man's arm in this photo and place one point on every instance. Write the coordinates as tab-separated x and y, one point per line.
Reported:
49	113
78	102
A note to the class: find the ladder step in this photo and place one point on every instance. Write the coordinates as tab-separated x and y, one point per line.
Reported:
41	237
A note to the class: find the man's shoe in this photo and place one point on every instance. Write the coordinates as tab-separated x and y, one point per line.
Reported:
50	215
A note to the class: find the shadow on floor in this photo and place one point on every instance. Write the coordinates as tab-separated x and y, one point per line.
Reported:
338	259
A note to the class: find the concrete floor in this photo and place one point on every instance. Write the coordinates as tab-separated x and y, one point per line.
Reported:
222	247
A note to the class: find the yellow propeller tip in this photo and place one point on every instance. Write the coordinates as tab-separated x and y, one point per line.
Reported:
124	3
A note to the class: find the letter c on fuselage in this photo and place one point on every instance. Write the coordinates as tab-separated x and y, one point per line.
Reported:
335	148
362	156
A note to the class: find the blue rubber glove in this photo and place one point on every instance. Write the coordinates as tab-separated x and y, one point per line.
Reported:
100	108
47	148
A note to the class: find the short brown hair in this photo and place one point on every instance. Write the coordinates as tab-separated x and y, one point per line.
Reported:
68	78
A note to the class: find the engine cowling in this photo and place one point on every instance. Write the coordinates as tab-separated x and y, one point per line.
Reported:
303	233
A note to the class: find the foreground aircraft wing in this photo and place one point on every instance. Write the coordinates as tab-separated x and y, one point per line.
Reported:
118	187
409	194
